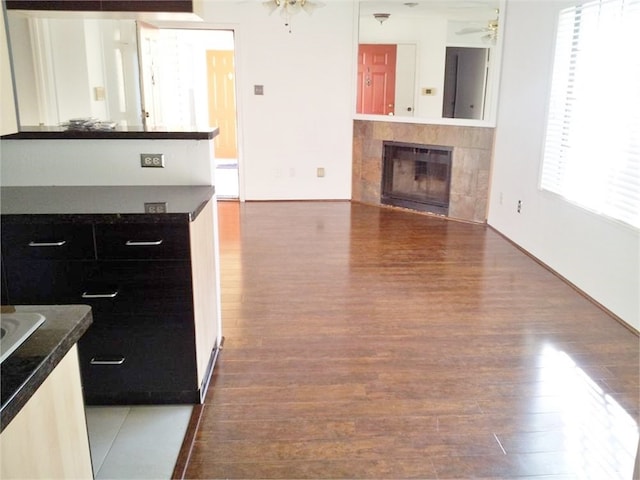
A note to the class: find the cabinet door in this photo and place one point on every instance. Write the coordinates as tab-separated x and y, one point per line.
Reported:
142	241
42	282
48	438
138	361
181	6
3	285
141	346
86	5
158	289
48	242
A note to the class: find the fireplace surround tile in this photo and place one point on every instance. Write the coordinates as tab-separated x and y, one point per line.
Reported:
472	151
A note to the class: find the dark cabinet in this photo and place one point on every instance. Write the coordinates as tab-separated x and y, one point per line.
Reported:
151	340
48	242
154	241
177	6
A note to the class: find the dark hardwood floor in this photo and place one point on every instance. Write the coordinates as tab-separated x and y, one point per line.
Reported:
363	342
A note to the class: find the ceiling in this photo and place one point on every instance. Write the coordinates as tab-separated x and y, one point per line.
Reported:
452	9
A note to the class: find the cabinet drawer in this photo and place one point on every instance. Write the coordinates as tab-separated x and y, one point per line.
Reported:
48	242
162	289
142	241
42	282
131	360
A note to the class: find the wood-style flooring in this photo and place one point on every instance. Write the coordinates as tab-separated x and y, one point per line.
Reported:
366	342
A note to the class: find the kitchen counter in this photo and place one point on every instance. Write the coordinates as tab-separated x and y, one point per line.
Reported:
107	204
119	133
144	259
32	362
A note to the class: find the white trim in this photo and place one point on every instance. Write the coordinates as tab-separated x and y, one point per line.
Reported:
492	79
239	68
48	112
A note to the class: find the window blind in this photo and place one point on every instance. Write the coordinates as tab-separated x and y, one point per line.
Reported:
592	142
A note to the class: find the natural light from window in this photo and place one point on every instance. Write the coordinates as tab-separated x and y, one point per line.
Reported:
599	435
592	145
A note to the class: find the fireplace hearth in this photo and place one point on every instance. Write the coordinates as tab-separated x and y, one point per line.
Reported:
416	176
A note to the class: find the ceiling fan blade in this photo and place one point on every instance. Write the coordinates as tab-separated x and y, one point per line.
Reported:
290	8
468	30
271	6
310	7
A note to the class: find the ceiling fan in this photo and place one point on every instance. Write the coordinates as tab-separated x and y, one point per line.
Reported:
490	29
288	8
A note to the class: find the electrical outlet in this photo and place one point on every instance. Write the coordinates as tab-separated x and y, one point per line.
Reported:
320	172
155	207
154	160
519	209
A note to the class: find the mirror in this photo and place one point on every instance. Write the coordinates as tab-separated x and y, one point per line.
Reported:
429	60
75	68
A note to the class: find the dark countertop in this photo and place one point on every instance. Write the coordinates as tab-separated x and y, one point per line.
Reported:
105	204
119	133
32	362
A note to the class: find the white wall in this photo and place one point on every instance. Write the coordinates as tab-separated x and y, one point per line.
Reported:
599	256
69	42
104	162
304	119
24	70
8	118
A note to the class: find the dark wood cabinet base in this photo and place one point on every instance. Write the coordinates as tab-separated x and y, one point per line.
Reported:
156	397
179	6
149	283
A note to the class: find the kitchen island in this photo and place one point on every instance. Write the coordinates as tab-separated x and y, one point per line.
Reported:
30	364
144	258
42	399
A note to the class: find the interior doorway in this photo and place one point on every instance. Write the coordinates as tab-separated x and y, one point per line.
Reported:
465	82
189	81
222	101
222	113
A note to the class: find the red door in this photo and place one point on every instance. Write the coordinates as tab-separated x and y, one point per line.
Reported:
376	79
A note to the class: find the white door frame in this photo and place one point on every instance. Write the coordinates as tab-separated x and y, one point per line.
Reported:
235	28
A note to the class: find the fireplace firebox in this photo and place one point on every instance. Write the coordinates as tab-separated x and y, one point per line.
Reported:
416	176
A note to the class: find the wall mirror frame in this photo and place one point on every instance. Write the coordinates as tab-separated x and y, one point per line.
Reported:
69	66
432	40
74	66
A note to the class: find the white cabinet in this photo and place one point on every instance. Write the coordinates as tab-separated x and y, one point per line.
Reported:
9	119
48	438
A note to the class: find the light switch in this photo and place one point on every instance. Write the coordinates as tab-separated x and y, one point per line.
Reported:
98	93
258	89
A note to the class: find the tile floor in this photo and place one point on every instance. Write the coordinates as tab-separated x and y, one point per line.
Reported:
136	442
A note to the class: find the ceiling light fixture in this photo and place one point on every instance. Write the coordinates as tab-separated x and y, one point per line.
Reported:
381	17
288	8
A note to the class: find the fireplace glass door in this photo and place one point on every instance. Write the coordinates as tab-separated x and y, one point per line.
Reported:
417	176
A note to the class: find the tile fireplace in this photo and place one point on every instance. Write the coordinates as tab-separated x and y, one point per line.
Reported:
470	147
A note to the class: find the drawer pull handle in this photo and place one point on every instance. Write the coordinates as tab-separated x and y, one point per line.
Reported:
47	244
133	243
115	360
99	295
